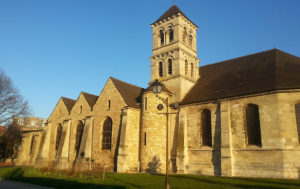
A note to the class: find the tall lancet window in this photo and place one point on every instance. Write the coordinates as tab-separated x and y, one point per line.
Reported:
192	70
171	34
58	136
170	66
253	125
160	69
107	133
206	128
79	133
162	37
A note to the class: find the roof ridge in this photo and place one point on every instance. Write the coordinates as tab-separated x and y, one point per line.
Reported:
245	56
62	97
125	82
88	93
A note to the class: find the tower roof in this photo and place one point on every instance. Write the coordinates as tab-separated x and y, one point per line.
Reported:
174	10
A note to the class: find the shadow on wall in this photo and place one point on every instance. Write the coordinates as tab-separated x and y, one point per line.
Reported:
154	165
216	153
174	146
118	143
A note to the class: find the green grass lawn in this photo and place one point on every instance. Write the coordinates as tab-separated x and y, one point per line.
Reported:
122	181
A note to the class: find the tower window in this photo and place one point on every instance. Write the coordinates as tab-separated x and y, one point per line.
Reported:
58	136
192	70
162	37
184	35
297	111
186	67
253	125
145	139
206	128
170	66
191	40
107	132
79	133
160	69
171	34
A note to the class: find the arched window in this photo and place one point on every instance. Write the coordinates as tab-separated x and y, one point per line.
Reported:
32	144
162	37
58	136
186	67
160	69
297	111
192	70
170	66
79	133
171	34
191	40
206	128
253	125
184	34
107	132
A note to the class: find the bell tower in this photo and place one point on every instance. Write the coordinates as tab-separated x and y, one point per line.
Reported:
174	60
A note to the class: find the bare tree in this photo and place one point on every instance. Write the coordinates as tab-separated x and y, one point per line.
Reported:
11	102
10	142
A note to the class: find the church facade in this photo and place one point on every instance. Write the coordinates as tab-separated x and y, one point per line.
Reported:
240	117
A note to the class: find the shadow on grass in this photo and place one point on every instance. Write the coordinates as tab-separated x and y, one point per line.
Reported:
125	182
17	175
65	184
294	183
232	182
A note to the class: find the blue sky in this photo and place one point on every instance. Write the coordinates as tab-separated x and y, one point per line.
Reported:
54	48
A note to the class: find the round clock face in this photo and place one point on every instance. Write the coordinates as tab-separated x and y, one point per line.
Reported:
160	107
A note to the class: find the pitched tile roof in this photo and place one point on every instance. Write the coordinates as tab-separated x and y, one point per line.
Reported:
90	98
69	103
261	72
130	93
174	10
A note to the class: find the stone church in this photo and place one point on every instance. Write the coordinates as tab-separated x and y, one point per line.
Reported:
239	117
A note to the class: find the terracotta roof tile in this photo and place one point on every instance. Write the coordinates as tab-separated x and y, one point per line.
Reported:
261	72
